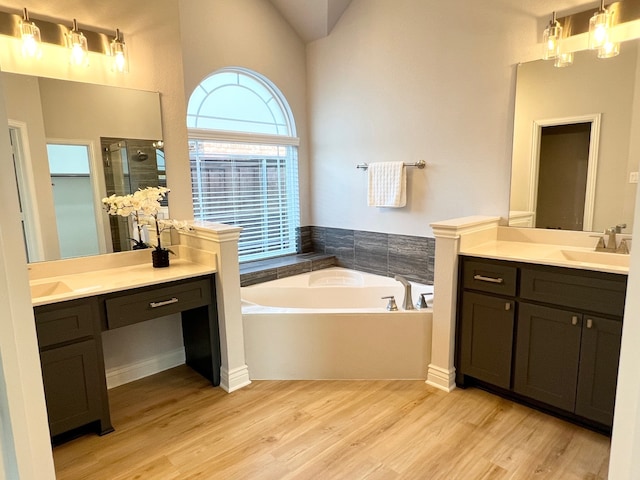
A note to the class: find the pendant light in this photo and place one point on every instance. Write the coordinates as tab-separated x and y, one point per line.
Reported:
78	47
118	52
600	27
30	35
551	39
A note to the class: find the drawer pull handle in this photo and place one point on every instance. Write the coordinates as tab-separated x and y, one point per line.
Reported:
589	323
507	306
482	278
162	304
574	320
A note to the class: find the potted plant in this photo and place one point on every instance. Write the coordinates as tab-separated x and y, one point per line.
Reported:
144	205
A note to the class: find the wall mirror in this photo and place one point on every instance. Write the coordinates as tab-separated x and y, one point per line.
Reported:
576	142
73	143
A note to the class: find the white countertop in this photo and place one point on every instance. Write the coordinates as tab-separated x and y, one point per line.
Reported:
548	254
60	288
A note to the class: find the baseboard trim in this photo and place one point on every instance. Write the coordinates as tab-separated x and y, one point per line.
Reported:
441	378
235	379
144	368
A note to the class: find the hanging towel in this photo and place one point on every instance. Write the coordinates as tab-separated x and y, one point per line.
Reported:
387	184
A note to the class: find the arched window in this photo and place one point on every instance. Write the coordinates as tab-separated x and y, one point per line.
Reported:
244	160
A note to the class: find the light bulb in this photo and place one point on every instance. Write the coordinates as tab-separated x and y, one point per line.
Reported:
30	35
78	47
118	52
551	39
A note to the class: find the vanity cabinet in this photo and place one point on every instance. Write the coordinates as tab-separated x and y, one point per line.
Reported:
72	365
546	335
487	321
70	343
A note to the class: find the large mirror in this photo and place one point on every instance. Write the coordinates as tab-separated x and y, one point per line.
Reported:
73	144
576	143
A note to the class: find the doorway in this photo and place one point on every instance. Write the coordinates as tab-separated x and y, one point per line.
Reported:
563	176
73	198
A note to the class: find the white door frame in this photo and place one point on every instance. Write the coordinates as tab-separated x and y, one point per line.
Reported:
592	166
98	187
27	191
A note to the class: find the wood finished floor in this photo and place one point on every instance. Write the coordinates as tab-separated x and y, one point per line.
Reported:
174	425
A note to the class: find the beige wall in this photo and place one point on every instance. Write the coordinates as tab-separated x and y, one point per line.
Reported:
409	80
253	35
545	92
152	32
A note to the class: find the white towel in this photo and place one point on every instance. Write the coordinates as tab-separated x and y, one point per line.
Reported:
387	184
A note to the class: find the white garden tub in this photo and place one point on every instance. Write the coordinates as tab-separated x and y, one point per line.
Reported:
333	324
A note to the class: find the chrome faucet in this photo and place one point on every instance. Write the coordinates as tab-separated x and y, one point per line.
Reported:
407	304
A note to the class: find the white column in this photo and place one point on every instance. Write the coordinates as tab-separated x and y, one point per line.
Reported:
25	444
449	236
223	241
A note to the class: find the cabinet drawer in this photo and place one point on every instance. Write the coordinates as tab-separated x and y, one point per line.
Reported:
59	323
489	277
603	295
147	304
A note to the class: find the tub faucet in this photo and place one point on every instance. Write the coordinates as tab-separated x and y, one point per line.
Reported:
407	304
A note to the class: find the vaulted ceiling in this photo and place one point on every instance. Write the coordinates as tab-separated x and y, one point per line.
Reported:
311	19
314	19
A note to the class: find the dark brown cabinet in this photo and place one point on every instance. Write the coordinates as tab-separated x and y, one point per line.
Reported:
72	365
550	335
486	338
70	343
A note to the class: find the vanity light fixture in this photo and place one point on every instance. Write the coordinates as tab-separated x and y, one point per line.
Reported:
600	27
551	39
30	35
78	47
118	52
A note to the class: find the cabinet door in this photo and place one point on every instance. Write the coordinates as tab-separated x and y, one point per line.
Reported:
598	375
486	340
71	385
547	354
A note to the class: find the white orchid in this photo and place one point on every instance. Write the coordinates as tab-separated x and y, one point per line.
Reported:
144	205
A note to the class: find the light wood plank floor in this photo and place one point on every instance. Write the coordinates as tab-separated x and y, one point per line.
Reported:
173	425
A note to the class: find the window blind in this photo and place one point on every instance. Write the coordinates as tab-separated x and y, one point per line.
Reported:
253	186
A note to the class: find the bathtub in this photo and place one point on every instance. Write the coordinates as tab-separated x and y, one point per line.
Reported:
333	324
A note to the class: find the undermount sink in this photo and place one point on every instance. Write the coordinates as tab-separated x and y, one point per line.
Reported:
49	288
601	258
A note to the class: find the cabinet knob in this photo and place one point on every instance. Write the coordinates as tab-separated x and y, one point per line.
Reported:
589	323
507	306
574	320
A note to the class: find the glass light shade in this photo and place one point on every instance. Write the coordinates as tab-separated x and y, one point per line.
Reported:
609	49
31	41
564	60
79	51
119	57
599	28
551	40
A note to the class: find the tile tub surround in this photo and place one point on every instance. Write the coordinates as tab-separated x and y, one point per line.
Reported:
252	273
372	252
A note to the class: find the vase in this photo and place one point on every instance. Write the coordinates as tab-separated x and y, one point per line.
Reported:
160	258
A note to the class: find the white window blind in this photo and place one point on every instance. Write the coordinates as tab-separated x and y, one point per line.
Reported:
244	164
250	185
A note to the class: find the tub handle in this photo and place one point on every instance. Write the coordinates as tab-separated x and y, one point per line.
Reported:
422	302
391	305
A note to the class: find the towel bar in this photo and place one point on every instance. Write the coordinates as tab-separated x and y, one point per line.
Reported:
419	164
